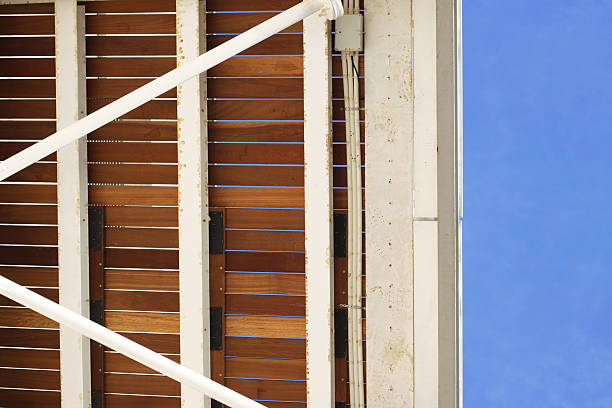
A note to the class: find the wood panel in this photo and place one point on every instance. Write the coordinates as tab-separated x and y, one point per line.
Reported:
265	262
266	283
118	87
246	5
27	46
27	398
24	358
270	389
131	24
132	153
118	363
266	326
49	293
256	197
266	368
132	195
156	109
140	45
142	301
270	132
129	67
142	322
23	67
25	130
265	219
11	148
266	305
27	88
28	235
280	44
27	109
17	317
45	8
277	88
158	342
231	23
26	25
132	6
260	66
28	214
141	258
142	216
264	240
258	347
255	110
35	338
36	173
39	256
132	174
141	384
281	176
141	280
140	237
256	153
136	131
135	401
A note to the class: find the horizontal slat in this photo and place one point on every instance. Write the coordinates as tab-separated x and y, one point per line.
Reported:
266	326
255	132
157	109
41	256
23	67
136	131
132	152
27	88
23	358
118	363
44	277
141	216
36	338
132	174
141	258
255	110
281	44
26	25
286	176
28	214
265	240
24	193
141	279
265	368
140	45
28	235
142	322
139	384
141	301
265	305
265	219
13	317
256	197
132	195
250	153
25	130
131	24
265	347
27	398
130	67
265	262
246	5
231	23
269	389
118	87
255	87
158	342
265	283
261	66
7	149
51	294
27	46
43	8
141	237
138	401
132	6
26	109
36	173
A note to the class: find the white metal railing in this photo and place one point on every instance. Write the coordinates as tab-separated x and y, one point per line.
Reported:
112	111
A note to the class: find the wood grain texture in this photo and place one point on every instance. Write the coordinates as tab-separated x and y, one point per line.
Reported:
36	338
132	6
36	173
141	258
255	110
265	347
136	131
245	5
118	363
141	384
265	262
265	219
140	237
27	46
42	8
141	280
24	358
141	216
26	25
137	401
132	174
265	305
270	389
26	88
27	398
46	235
14	317
27	109
266	283
264	240
266	368
266	326
131	24
22	67
31	276
142	322
132	152
156	109
280	44
49	293
28	214
139	45
24	255
141	301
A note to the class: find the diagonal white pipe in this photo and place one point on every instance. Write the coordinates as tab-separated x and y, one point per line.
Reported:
164	83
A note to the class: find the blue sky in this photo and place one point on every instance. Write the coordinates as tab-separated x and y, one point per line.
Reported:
538	203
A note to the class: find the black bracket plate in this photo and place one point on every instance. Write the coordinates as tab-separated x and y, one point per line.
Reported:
216	328
340	332
340	235
215	230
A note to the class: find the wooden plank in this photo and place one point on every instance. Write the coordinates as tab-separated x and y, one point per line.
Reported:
28	214
26	25
134	152
132	195
17	317
36	338
140	237
255	88
140	45
118	87
265	219
255	110
22	67
49	293
131	24
26	109
266	368
27	398
136	131
29	276
27	46
118	363
156	109
245	5
130	67
265	305
158	342
256	132
40	256
141	280
282	176
265	262
27	88
141	384
141	301
266	283
137	401
141	216
270	389
133	6
28	235
266	326
25	130
232	23
280	44
264	240
132	174
256	197
36	173
141	258
261	66
142	322
23	358
10	148
259	347
256	153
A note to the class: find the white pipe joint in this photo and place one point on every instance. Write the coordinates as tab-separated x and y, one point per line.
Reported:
333	9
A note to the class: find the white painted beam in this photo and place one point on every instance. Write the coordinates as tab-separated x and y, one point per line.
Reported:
193	201
389	204
73	244
318	205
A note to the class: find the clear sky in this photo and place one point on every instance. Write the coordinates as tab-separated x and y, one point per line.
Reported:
538	203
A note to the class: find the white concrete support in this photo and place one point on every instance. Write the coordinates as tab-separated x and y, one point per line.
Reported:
193	201
73	244
389	204
319	218
426	339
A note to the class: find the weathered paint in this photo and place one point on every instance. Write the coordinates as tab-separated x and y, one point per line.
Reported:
318	212
72	201
389	203
193	201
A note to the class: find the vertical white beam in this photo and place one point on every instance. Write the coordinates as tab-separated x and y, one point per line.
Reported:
426	341
389	207
193	201
72	201
318	205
